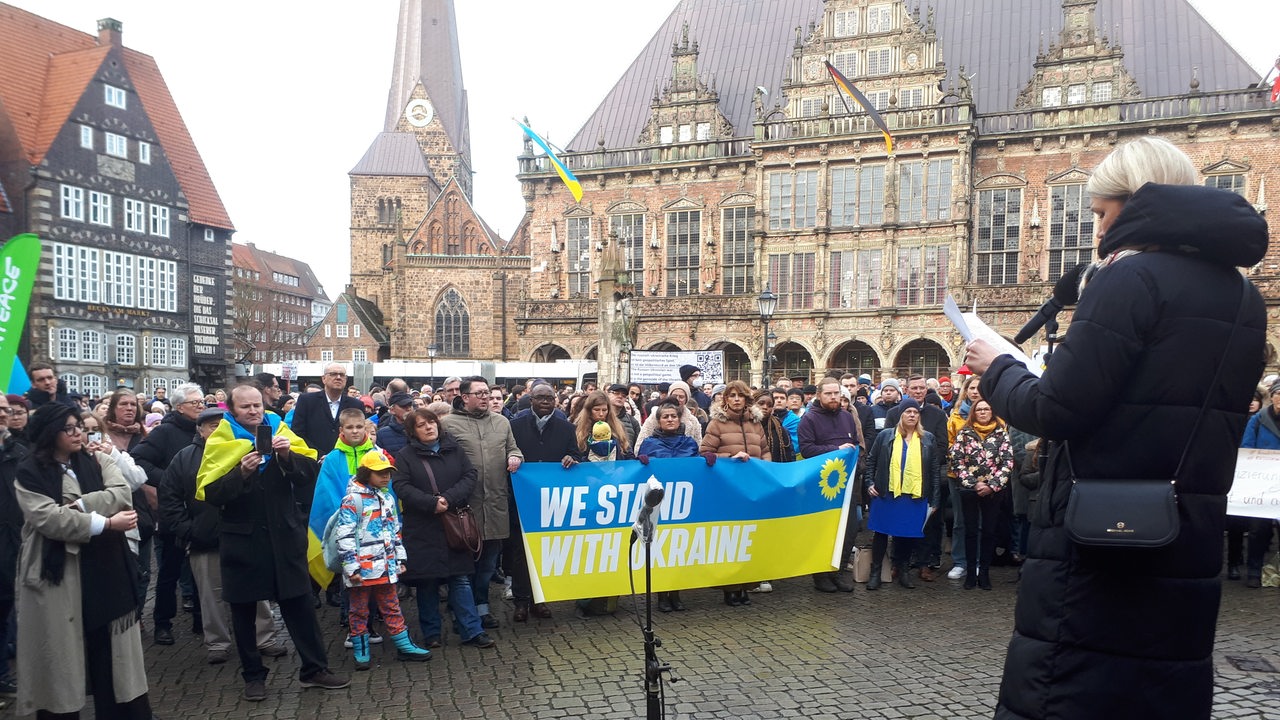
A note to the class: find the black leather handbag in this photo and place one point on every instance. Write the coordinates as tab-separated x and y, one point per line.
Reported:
1115	513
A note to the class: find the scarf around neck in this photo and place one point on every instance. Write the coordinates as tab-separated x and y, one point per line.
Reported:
985	430
906	469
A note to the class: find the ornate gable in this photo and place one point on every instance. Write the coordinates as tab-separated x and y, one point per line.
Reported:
1074	176
687	109
1081	67
886	51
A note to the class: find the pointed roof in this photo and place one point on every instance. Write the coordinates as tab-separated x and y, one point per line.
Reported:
41	88
369	315
427	52
745	43
393	153
264	261
491	236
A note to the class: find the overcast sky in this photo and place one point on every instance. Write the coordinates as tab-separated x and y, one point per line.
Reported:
283	98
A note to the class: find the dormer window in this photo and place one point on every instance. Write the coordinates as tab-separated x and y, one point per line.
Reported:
1075	94
1101	92
845	23
116	97
704	131
879	18
1051	97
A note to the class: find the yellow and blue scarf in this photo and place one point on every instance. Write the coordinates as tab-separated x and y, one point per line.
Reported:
231	441
906	469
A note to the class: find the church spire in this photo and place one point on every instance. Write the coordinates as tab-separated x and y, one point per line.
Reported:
427	54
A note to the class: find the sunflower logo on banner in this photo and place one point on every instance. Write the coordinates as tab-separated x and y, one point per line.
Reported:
833	467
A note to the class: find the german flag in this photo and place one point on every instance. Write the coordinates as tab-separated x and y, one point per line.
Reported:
842	83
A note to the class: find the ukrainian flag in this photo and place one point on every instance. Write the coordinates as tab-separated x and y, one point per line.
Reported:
735	522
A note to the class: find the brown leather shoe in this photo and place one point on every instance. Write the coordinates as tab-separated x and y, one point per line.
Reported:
522	612
541	611
927	573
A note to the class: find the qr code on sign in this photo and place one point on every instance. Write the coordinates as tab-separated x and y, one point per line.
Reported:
712	364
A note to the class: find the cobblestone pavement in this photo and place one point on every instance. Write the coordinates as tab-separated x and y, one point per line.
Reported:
794	653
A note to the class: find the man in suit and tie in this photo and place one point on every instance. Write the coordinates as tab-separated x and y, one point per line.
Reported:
315	417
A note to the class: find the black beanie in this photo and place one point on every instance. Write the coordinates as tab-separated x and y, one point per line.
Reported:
687	371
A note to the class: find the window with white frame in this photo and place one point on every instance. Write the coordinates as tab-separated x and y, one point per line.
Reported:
86	137
578	250
1070	228
176	381
326	356
359	356
135	215
879	100
210	235
160	220
328	330
1101	91
855	279
167	286
1233	182
88	280
997	238
629	229
922	275
159	351
1051	97
844	196
144	152
91	346
72	203
737	250
791	277
355	329
793	199
92	386
844	24
99	208
911	97
684	252
812	106
342	330
64	272
924	191
71	381
147	279
846	62
879	18
178	352
126	350
666	135
68	344
159	383
879	61
871	195
116	97
703	131
1076	94
117	145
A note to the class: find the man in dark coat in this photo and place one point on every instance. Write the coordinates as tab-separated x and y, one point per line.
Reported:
315	416
824	428
153	455
194	527
11	452
391	435
1104	633
46	388
263	538
691	375
543	437
928	552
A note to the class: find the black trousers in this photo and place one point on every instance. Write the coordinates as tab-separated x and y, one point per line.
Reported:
299	615
97	660
1260	532
1236	527
514	562
979	524
169	557
902	548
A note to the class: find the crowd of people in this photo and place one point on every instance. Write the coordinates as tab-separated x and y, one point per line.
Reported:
223	518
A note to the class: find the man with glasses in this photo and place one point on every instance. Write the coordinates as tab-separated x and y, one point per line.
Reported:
487	440
625	412
315	417
153	455
19	414
450	389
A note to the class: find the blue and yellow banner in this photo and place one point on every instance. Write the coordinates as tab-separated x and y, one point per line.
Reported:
734	522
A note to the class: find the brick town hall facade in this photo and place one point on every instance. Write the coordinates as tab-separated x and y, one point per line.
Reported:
724	160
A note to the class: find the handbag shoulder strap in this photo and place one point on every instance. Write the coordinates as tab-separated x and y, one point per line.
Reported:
1217	375
431	475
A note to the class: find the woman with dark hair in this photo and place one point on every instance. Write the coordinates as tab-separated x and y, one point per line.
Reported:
1111	633
780	449
433	475
982	459
670	441
77	594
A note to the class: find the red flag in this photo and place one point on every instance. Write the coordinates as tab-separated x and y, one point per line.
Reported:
1275	89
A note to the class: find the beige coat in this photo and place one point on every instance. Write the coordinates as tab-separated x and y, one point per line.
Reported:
488	442
50	643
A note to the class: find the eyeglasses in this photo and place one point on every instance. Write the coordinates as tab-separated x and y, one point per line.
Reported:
335	374
478	394
7	410
17	411
193	402
72	430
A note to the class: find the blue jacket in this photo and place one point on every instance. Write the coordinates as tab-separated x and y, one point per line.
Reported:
1262	431
391	436
669	446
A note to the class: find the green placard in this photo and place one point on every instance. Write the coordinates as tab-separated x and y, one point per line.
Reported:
19	262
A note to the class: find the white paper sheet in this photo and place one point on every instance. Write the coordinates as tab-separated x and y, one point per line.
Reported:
971	328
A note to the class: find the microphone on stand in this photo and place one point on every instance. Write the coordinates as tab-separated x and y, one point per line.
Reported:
1065	292
643	527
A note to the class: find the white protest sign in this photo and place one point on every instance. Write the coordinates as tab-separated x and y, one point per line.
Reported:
1256	490
651	367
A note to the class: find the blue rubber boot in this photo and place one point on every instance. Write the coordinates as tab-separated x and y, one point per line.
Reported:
406	650
360	647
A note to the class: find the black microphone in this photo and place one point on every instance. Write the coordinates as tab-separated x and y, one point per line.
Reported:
652	499
1065	292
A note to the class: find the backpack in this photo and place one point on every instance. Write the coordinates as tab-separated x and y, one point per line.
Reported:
329	541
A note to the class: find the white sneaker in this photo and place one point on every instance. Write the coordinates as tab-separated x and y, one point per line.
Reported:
956	573
764	587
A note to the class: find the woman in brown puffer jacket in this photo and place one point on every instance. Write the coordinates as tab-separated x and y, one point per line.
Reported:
736	431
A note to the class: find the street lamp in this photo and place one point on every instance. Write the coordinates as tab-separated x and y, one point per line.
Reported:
431	354
767	302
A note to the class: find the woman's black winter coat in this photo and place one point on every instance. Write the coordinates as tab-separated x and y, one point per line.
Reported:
429	555
1129	634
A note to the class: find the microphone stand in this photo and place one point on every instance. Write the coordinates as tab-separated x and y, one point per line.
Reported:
653	668
1051	339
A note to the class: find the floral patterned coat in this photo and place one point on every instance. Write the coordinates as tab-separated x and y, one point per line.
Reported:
369	535
975	459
